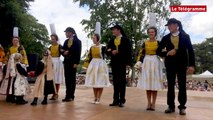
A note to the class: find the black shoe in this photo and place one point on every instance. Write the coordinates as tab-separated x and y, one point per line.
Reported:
121	105
44	102
22	102
67	99
33	103
182	112
169	110
8	99
114	104
11	99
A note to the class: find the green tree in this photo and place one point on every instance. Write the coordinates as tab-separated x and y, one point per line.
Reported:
204	55
131	14
34	36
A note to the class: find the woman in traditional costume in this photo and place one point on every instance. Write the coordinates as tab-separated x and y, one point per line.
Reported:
58	68
97	75
151	78
17	48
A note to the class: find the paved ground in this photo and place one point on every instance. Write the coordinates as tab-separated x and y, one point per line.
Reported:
200	107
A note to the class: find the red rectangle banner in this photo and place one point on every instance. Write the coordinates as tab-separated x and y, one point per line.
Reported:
188	8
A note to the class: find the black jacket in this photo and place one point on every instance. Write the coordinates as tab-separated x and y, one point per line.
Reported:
124	56
21	70
74	51
185	54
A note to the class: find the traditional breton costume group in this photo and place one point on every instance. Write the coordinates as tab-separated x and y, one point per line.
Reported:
49	70
11	73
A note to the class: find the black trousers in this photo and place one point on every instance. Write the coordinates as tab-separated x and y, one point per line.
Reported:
119	83
70	80
179	72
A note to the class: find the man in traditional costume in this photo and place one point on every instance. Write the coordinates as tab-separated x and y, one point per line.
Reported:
72	54
178	52
120	51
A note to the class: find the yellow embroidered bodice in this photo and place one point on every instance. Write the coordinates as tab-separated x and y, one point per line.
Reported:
54	49
96	52
150	49
13	49
175	41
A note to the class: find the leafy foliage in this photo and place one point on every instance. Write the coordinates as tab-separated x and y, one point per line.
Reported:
34	36
204	55
131	14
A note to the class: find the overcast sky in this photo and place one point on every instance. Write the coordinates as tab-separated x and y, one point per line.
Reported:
64	13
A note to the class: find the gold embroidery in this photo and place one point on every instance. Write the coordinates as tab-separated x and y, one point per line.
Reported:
54	50
96	52
117	42
175	41
70	42
151	47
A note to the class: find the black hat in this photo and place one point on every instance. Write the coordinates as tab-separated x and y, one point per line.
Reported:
172	20
117	27
69	29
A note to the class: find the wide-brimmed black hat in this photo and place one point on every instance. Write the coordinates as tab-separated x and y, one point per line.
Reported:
70	29
117	27
172	20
